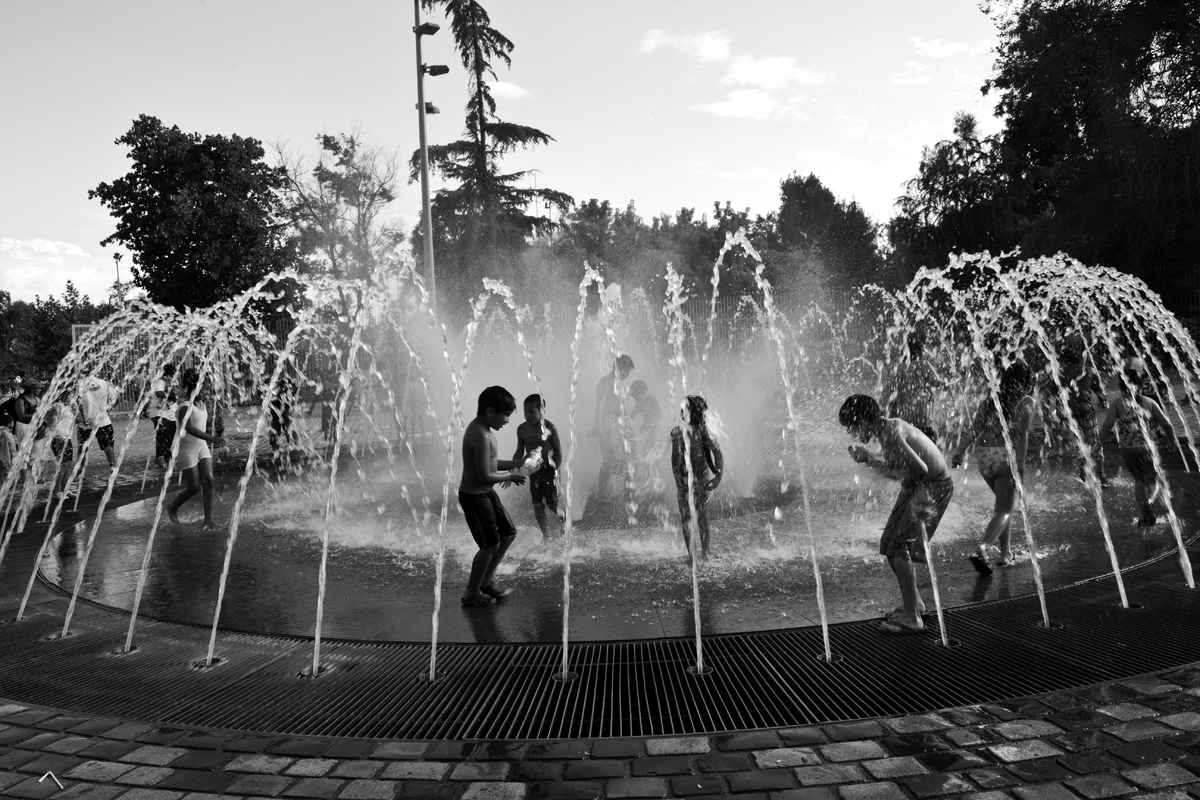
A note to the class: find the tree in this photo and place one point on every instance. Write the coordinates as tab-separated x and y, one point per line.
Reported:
1102	107
35	336
200	214
336	205
481	223
960	201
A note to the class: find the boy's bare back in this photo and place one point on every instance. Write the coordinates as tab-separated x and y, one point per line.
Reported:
478	451
899	438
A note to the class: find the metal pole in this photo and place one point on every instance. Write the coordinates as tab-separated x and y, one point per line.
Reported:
424	160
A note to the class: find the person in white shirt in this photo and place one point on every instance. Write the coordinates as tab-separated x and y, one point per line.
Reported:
96	395
162	415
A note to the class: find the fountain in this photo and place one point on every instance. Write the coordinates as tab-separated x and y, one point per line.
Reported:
338	537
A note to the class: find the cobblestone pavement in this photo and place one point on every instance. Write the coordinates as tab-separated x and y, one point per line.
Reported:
1138	737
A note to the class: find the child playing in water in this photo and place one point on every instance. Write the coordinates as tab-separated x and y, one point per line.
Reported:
194	459
537	435
991	456
1134	416
925	491
489	523
694	484
60	426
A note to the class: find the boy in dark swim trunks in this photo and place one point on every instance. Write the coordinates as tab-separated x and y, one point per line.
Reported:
538	435
490	524
925	491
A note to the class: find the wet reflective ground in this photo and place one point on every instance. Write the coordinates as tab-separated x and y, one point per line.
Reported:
626	583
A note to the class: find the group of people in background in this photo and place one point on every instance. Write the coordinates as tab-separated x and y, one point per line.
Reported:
999	431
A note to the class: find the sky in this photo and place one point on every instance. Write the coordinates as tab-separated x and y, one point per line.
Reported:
663	103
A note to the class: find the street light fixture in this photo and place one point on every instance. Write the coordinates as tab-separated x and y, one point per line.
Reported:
426	29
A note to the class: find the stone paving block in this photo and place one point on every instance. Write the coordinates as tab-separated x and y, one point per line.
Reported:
480	771
298	748
370	790
50	762
558	751
413	770
1138	730
264	785
968	715
29	717
493	791
358	769
987	796
953	760
1188	676
755	740
15	733
1159	776
203	759
89	791
1170	794
151	794
105	750
400	751
911	744
258	744
532	771
661	765
503	751
1103	785
159	736
127	730
618	748
31	788
310	767
993	777
1147	752
1085	740
69	745
98	771
15	758
565	790
800	737
872	791
786	757
1021	707
145	776
259	764
1039	770
917	723
1105	693
8	709
685	745
724	762
39	740
1044	791
593	769
965	737
207	740
852	751
808	793
430	790
1026	729
1024	751
154	755
849	731
936	785
61	723
196	780
9	778
636	787
317	788
898	767
1151	685
829	773
1187	721
1091	761
1061	701
1080	718
1127	711
689	785
760	780
1177	703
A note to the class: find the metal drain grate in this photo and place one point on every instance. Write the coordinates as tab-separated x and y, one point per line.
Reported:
641	688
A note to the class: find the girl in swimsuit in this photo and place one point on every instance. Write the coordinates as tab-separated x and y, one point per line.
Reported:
991	456
194	459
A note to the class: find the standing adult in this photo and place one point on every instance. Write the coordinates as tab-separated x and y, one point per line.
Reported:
15	415
96	396
162	415
610	411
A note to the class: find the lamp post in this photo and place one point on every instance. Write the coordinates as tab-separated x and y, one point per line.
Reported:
423	108
120	293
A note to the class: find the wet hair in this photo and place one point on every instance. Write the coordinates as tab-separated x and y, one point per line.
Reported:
859	409
188	380
638	388
534	400
696	406
169	369
1132	385
498	399
624	363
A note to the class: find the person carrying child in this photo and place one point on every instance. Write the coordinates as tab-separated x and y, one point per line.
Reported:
991	456
537	437
697	464
194	459
1134	416
925	491
490	526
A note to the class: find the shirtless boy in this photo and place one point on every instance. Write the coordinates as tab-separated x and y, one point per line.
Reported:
538	434
925	491
490	524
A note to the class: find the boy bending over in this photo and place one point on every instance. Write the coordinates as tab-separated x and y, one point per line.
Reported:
925	491
489	523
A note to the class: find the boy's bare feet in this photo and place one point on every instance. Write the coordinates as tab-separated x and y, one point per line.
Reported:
478	600
491	590
208	525
173	516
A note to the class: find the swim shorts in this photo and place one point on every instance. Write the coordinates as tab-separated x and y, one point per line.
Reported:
486	518
63	448
992	462
544	489
902	534
104	436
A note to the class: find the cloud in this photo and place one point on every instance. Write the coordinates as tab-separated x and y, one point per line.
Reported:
939	48
31	267
509	91
765	78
